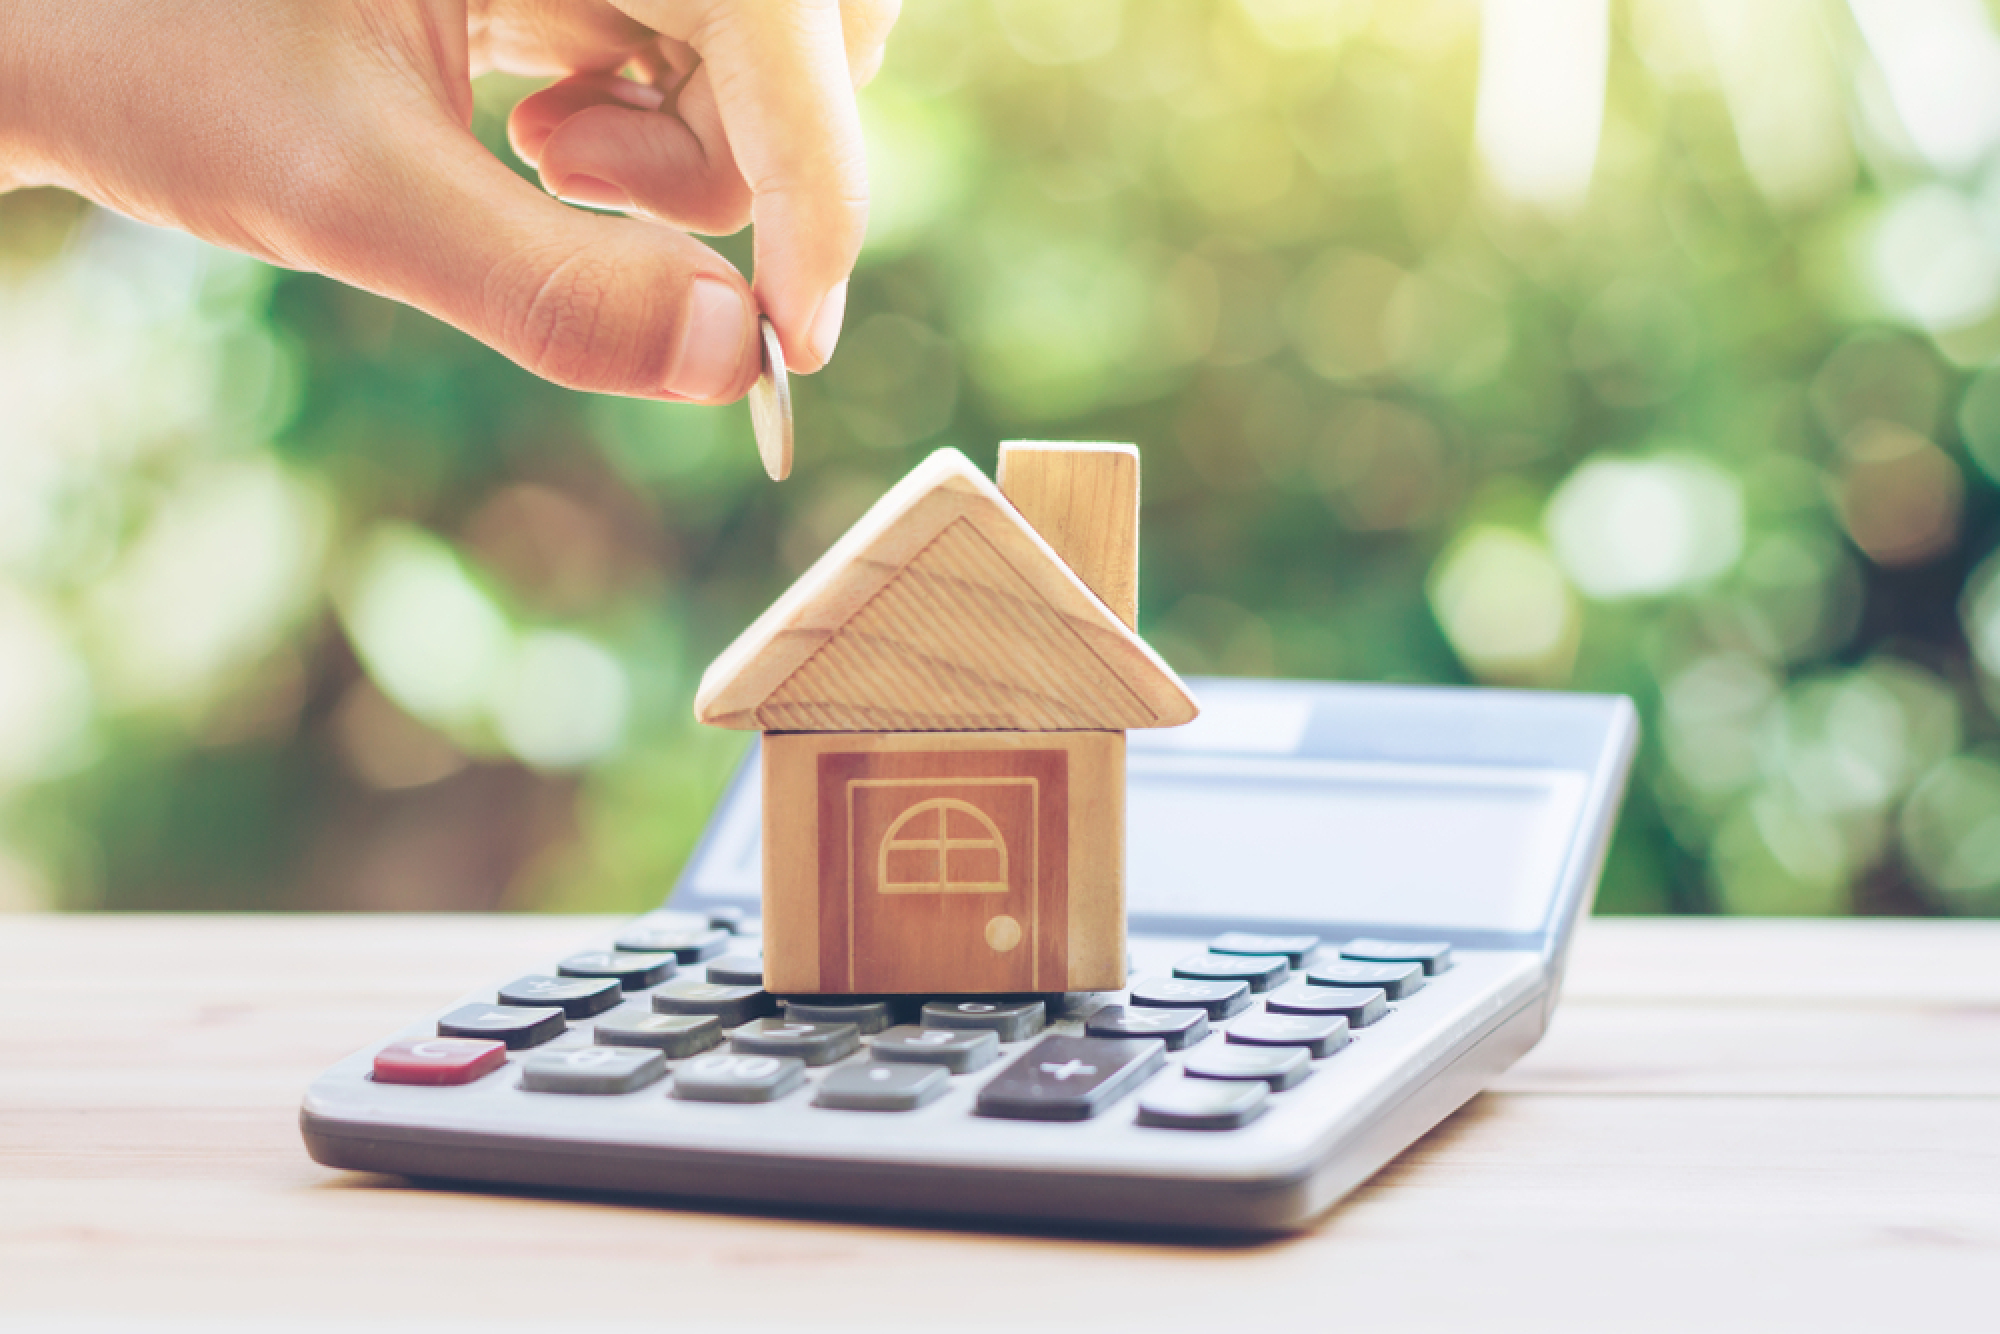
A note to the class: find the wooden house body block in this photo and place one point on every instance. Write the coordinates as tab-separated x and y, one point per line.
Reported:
944	862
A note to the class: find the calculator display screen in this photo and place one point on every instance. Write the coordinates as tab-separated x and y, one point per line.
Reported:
1305	840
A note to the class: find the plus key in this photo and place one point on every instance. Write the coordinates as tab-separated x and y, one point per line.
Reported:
1070	1079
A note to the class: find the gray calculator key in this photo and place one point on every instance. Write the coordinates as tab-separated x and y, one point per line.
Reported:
1219	999
960	1051
634	972
1434	955
1176	1028
870	1016
1279	1067
688	944
882	1088
1398	980
1359	1006
1316	1035
1261	971
1294	948
729	1076
737	970
732	1005
815	1044
596	1070
577	997
725	918
514	1025
1012	1020
1070	1079
675	1036
1203	1104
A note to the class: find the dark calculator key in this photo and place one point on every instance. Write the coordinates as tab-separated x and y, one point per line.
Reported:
882	1088
1203	1104
737	970
634	972
438	1060
511	1024
675	1036
1397	980
1434	955
960	1050
688	944
1219	999
815	1044
728	1076
577	997
1294	948
1070	1079
1279	1067
1176	1028
593	1070
725	918
1359	1006
731	1005
1261	971
1012	1020
1316	1035
870	1016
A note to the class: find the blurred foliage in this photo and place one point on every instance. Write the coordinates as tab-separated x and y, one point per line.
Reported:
1638	347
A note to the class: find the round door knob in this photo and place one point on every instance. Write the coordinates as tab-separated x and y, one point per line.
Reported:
1003	933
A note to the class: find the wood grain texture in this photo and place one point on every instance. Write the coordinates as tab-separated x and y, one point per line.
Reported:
1084	500
941	610
1056	802
151	1176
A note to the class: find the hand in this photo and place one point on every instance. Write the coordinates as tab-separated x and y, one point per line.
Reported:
333	137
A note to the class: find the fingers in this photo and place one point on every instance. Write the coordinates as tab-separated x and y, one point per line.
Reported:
603	151
592	302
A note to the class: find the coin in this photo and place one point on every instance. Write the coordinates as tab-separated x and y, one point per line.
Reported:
771	407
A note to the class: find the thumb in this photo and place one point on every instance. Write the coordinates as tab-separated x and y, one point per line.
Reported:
589	301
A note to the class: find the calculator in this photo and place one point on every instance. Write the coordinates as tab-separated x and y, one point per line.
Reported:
1349	909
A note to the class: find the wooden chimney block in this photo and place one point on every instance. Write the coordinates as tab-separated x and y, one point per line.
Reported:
1084	499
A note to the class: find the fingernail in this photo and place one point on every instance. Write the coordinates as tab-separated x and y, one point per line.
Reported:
718	326
593	193
642	96
826	323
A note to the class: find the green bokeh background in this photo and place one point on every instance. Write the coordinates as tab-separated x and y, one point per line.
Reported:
1720	436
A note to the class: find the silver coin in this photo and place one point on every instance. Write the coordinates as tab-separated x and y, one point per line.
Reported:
771	407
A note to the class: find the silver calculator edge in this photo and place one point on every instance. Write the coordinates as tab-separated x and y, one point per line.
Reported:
1372	1101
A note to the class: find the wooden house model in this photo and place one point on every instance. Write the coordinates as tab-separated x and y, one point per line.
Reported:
944	697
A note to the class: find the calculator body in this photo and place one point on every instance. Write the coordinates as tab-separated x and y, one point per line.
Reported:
1429	815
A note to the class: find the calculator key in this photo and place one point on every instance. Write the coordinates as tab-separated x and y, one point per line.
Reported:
869	1016
1294	948
1279	1067
960	1051
577	997
1359	1006
1316	1035
731	1005
1219	999
675	1035
882	1088
1261	971
438	1060
634	972
1434	955
1070	1079
688	944
1398	980
594	1070
737	970
1203	1104
1176	1028
815	1044
728	1076
1013	1021
725	918
514	1025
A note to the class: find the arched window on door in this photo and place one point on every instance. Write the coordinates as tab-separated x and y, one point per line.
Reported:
942	846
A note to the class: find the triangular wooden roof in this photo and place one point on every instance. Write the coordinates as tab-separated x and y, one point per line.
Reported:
941	610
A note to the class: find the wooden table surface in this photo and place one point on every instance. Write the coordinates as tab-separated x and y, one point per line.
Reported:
1731	1125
